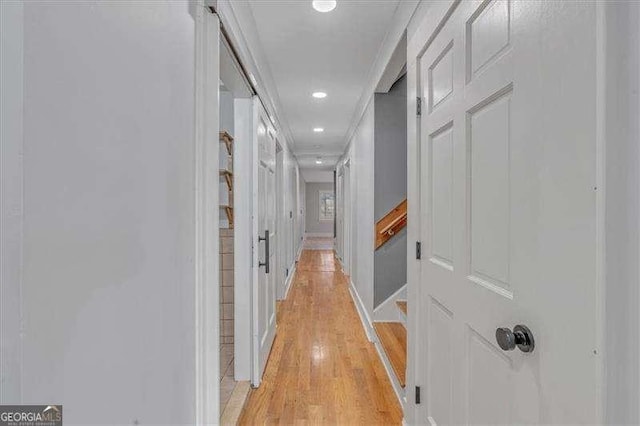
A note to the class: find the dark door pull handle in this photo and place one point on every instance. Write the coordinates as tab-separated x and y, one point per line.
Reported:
266	251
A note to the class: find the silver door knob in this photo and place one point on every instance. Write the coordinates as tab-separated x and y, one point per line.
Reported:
521	337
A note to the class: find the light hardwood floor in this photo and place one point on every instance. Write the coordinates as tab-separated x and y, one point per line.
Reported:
322	369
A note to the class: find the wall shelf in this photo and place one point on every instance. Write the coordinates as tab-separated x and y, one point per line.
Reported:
229	211
228	141
228	176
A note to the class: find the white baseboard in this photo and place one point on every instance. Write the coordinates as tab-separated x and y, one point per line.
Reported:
388	311
318	234
362	312
292	273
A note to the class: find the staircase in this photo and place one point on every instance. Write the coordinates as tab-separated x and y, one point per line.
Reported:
393	339
390	317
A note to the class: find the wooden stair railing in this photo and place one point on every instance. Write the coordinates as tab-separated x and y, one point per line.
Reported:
391	224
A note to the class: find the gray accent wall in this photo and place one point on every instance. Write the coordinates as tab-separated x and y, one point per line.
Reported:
390	182
312	223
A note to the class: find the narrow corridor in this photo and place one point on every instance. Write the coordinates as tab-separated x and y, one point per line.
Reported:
322	368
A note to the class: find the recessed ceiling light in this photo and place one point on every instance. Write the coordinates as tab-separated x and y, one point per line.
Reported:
319	95
318	129
324	5
318	161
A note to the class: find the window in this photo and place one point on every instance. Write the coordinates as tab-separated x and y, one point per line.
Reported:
327	205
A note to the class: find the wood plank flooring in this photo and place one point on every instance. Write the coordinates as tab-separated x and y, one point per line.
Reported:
322	369
402	305
393	338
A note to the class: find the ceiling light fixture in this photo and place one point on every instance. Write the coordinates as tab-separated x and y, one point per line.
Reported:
318	129
319	95
318	161
324	5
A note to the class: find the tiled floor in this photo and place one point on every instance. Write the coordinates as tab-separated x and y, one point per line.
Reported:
227	382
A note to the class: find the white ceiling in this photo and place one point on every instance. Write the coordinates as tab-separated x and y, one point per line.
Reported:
315	175
334	52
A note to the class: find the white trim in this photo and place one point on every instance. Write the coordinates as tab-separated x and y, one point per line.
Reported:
619	207
362	312
289	281
243	232
318	235
206	262
423	28
413	230
292	272
388	311
600	207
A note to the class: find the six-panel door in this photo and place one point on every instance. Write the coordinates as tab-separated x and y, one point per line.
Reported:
508	213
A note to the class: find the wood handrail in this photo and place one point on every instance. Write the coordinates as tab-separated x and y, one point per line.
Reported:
392	223
389	228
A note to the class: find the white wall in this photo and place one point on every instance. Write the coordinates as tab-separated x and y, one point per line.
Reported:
361	154
11	120
313	224
288	242
314	175
301	207
622	229
107	287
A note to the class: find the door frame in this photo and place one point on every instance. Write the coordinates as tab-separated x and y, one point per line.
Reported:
347	223
206	220
618	241
281	258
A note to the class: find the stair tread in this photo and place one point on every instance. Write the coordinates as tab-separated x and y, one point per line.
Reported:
393	338
402	305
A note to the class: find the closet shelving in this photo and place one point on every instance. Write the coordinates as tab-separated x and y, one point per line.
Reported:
226	179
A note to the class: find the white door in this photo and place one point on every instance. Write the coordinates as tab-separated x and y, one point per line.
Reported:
264	292
508	214
347	224
340	214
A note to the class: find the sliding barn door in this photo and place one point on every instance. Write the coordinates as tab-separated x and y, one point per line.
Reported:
508	215
264	291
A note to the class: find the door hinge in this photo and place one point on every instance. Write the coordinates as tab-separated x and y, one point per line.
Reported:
418	250
417	394
418	105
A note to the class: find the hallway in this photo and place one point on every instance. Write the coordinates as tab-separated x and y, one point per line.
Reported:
322	368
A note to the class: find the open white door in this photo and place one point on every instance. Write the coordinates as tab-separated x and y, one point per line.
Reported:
509	214
264	284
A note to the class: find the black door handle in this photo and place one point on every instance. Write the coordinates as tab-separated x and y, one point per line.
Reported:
266	251
521	337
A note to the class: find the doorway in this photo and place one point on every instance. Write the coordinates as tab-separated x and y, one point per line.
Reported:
235	133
